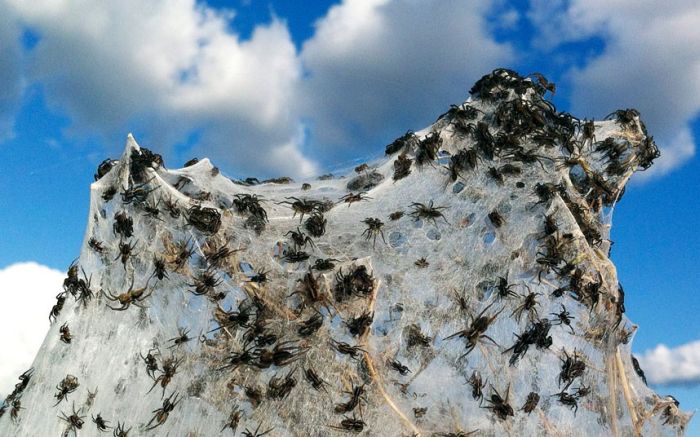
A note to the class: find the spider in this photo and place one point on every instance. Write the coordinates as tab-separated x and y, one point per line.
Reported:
260	277
301	206
429	212
14	412
531	402
136	193
496	219
421	263
498	405
129	297
374	227
357	282
427	148
236	359
311	325
316	224
464	159
568	400
181	338
159	269
151	363
171	207
529	304
123	225
233	419
359	326
315	380
407	140
352	198
65	333
104	168
68	385
119	431
477	384
324	264
204	283
572	367
74	421
357	394
300	239
170	366
100	423
399	367
56	309
504	289
125	251
564	318
279	388
161	414
396	215
346	349
204	219
109	193
402	167
476	330
281	355
96	245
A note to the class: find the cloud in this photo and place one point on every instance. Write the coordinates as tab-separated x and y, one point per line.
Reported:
678	365
28	293
10	75
175	70
376	68
650	61
165	69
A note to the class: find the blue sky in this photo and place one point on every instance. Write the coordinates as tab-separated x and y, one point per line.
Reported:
266	88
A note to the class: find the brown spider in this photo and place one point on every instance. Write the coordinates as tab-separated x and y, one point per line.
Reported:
301	206
429	212
233	419
129	297
161	414
352	198
205	282
65	333
498	405
300	240
125	251
170	366
74	421
68	385
476	329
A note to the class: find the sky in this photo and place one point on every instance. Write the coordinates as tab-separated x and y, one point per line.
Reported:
264	88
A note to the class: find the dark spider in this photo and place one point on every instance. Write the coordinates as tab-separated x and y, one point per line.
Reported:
350	424
129	297
346	349
402	167
254	396
396	365
407	140
281	355
324	264
123	225
310	290
151	363
421	263
181	338
125	251
362	167
477	384
295	256
359	326
171	207
415	337
169	366
100	423
623	116
496	219
311	325
74	421
301	206
357	394
638	369
504	289
119	431
250	204
429	212
509	170
151	209
476	330
374	227
279	388
495	174
572	367
550	225
531	402
67	386
419	412
568	400
465	159
545	192
498	405
161	414
142	159
183	252
357	282
352	198
563	318
65	333
204	219
300	239
529	304
96	245
396	215
56	309
109	193
14	412
256	433
582	391
260	276
316	382
536	334
85	293
233	419
316	224
245	357
159	269
136	193
205	282
427	148
104	168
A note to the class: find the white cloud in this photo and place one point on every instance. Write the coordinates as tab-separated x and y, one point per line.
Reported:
678	365
28	293
172	69
650	61
377	68
165	69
